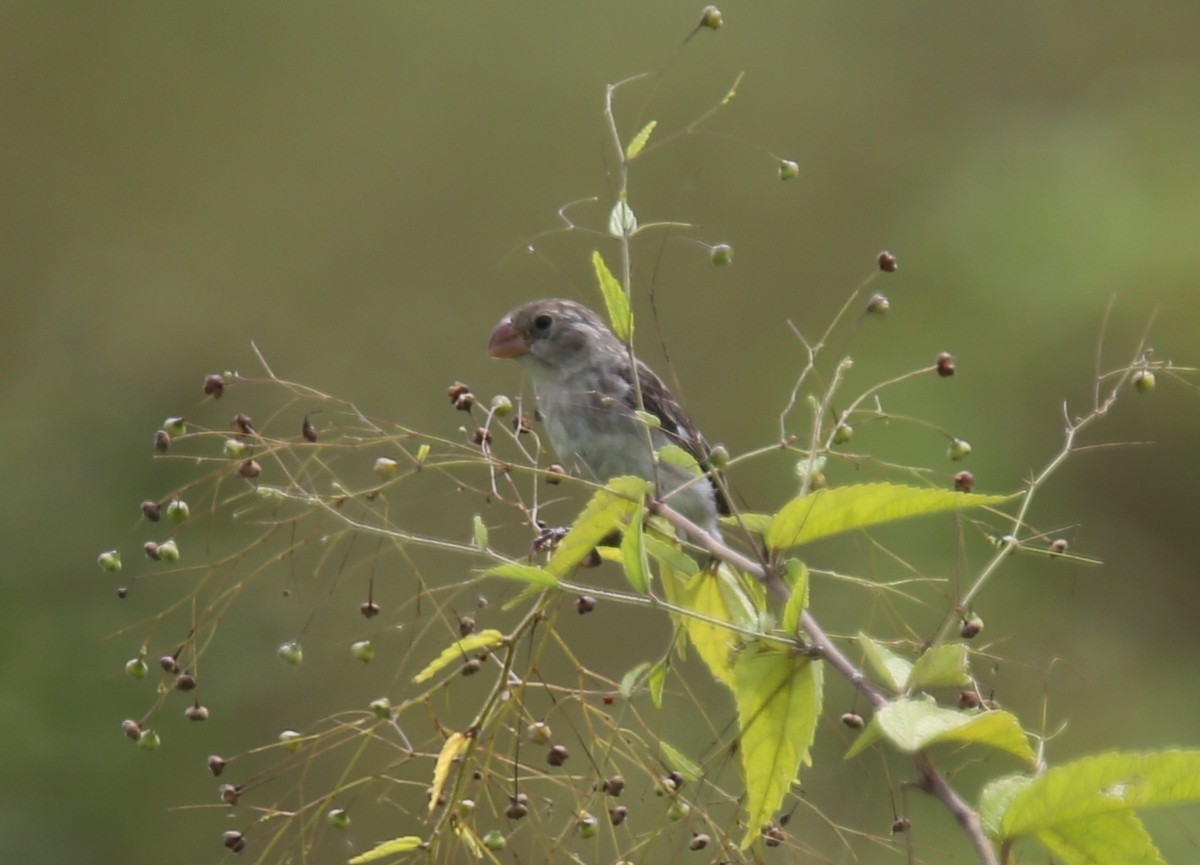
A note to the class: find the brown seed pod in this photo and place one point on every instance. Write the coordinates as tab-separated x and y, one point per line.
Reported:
557	755
249	469
699	841
234	840
369	609
853	720
482	437
185	682
151	550
162	441
887	262
584	604
308	431
901	824
214	385
617	815
964	482
945	364
169	664
516	809
196	712
216	764
132	729
151	511
242	425
613	785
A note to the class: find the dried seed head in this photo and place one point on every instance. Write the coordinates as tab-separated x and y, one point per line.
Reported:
307	430
460	396
185	682
521	424
964	482
234	840
242	425
853	720
214	385
471	666
613	785
516	810
151	511
617	815
132	729
249	469
878	304
968	700
945	364
971	627
585	604
1058	546
773	835
901	824
466	626
369	609
887	262
557	755
699	841
554	474
216	764
162	441
169	664
711	18
482	437
196	712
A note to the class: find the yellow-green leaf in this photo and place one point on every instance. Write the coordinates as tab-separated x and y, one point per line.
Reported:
890	669
459	650
632	679
531	574
674	455
454	745
838	509
607	510
479	533
615	299
1106	839
778	695
796	575
404	844
715	595
940	666
656	680
639	141
912	725
679	761
633	552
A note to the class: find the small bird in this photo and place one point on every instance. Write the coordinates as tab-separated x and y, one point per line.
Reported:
588	399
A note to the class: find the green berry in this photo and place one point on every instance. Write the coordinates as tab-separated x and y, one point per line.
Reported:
588	825
364	650
385	467
1143	381
178	510
110	561
721	254
842	433
136	668
959	450
149	740
501	405
494	840
381	708
168	551
234	449
678	810
175	426
339	818
291	740
291	652
788	169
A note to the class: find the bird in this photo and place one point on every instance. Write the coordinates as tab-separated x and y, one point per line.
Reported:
587	396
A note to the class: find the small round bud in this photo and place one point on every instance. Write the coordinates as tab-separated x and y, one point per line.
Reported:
1143	381
711	18
381	708
853	720
151	550
584	604
149	740
772	836
214	386
122	591
971	627
242	425
151	511
234	840
185	682
307	431
945	364
291	652
460	396
557	755
230	793
901	825
363	650
676	780
617	815
162	441
216	764
494	840
291	740
234	449
196	712
887	262
721	254
964	482
613	785
959	450
788	169
878	304
718	456
482	437
169	663
339	818
249	469
175	426
1058	546
178	510
471	666
678	810
386	467
554	474
842	433
132	729
699	841
516	810
168	551
502	406
109	560
136	668
466	626
588	825
369	609
539	733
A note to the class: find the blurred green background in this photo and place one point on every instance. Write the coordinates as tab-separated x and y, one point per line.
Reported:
353	185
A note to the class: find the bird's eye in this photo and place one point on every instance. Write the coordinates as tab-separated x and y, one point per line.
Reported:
542	323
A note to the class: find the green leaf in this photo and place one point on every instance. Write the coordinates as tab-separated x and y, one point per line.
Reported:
832	510
796	576
531	574
656	681
621	221
890	669
778	694
917	724
669	553
940	666
633	552
460	650
639	141
757	523
674	455
1102	784
995	799
679	761
480	533
1108	839
615	299
405	844
607	510
716	595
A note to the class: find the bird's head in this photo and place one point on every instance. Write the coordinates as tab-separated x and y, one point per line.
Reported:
554	333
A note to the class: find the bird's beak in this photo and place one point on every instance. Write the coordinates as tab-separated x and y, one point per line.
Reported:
506	341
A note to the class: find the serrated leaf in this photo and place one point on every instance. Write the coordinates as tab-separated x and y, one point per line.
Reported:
633	678
796	575
531	574
890	669
479	533
655	682
454	745
715	595
669	553
833	510
460	650
639	141
1102	784
995	799
633	552
679	761
778	694
941	666
620	316
607	510
757	523
674	455
916	724
1107	839
621	221
404	844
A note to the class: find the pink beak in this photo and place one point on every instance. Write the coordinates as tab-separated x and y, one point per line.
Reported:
506	341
